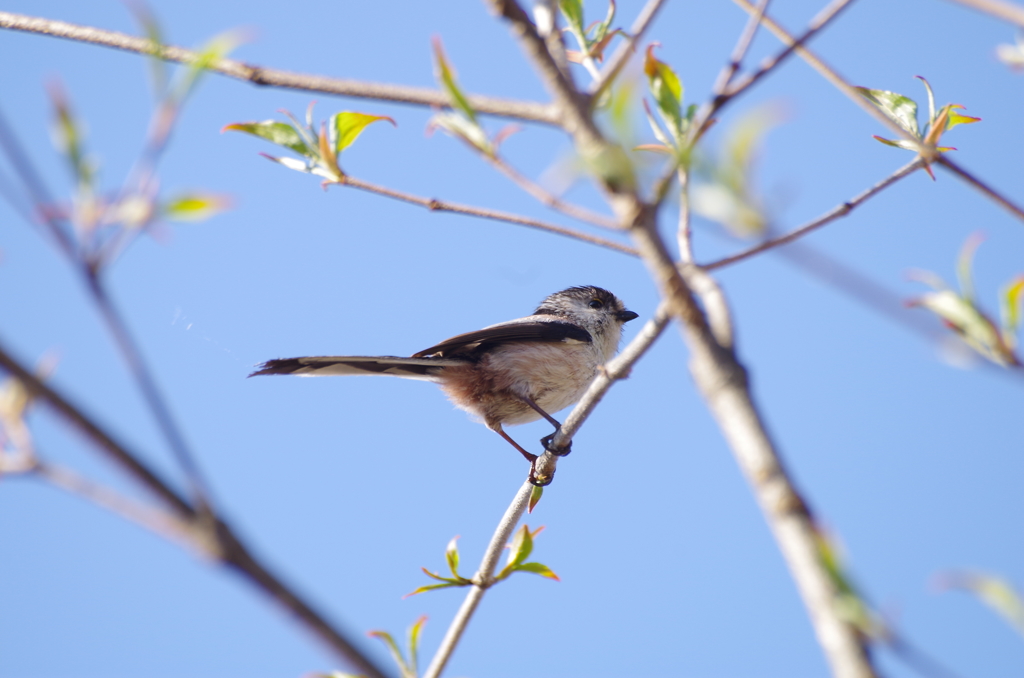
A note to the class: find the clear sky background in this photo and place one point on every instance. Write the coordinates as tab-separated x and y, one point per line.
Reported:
348	486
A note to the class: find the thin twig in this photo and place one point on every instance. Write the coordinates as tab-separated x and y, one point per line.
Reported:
162	523
626	48
828	73
226	547
830	216
421	96
977	183
496	215
482	580
684	234
150	391
36	189
817	24
548	198
1007	11
833	77
739	52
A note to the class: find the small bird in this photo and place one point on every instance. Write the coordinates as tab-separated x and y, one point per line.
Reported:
511	373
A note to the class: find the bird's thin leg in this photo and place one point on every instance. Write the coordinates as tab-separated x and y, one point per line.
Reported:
546	440
529	457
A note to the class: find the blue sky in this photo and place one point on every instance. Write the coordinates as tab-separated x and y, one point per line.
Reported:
348	486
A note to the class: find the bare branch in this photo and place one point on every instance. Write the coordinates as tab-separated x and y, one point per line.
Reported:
1007	11
495	215
724	385
834	78
827	72
549	199
482	580
830	216
420	96
626	48
819	22
225	546
739	52
35	187
977	183
162	523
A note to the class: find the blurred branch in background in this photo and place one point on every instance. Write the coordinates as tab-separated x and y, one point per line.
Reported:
215	539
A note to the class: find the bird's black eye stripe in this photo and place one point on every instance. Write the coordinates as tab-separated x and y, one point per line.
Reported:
596	303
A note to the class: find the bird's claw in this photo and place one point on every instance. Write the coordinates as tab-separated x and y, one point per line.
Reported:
557	451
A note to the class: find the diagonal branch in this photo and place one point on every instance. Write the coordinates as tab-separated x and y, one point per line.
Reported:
1007	11
626	48
833	77
482	580
830	216
509	108
977	183
225	546
547	198
496	215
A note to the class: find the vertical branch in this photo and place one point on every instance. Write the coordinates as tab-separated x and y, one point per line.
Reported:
482	580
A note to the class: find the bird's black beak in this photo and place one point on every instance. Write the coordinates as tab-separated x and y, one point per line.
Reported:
626	316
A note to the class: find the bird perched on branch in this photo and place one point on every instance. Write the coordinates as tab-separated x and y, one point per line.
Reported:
511	373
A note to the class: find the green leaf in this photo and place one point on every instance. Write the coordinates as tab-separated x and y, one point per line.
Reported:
963	264
601	31
151	27
995	592
974	327
1010	309
667	91
463	128
535	496
194	206
451	554
213	51
521	546
68	138
898	108
659	133
446	75
572	10
538	568
431	587
414	642
393	648
931	98
275	132
898	143
958	119
348	125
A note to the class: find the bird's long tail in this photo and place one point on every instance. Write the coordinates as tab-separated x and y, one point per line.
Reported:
323	366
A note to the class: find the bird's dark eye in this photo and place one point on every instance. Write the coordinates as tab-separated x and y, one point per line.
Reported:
596	303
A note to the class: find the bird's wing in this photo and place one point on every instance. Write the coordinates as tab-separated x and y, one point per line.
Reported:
322	366
549	331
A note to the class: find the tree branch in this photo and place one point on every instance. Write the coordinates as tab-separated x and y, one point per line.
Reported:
549	199
495	215
1007	11
225	547
270	77
830	216
626	48
977	183
482	580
